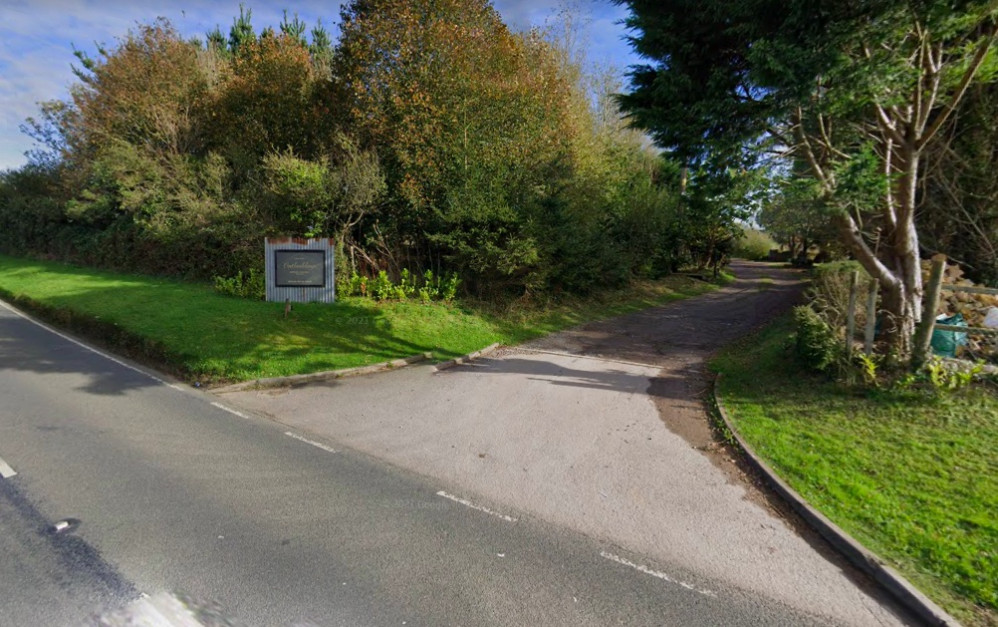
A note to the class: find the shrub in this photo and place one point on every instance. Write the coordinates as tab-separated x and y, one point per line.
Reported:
250	285
383	288
829	293
815	344
406	287
754	245
428	288
449	289
431	287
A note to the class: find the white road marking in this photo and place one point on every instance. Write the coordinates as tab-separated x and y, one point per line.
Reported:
467	503
656	573
159	610
5	470
312	442
82	345
230	410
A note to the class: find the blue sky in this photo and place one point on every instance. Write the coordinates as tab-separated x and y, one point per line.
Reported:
37	39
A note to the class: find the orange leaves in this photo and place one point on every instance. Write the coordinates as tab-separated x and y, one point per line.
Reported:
142	92
446	94
269	101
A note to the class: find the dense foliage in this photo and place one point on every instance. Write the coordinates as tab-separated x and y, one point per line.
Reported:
853	96
429	137
959	196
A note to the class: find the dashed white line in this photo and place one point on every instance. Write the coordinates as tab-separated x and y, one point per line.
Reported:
230	410
328	449
5	470
467	503
161	610
656	573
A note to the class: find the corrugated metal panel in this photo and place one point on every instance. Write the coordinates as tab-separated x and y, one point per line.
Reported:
300	278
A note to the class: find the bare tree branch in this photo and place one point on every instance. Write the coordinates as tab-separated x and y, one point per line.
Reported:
888	125
965	80
866	256
890	207
812	161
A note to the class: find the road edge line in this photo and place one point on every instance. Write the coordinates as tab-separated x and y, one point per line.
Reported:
318	445
476	507
866	560
82	344
658	574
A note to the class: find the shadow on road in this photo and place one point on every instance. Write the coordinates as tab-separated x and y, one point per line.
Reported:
26	347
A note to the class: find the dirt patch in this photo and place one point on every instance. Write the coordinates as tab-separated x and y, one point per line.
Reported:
679	338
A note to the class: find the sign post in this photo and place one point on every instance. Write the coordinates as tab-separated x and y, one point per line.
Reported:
299	270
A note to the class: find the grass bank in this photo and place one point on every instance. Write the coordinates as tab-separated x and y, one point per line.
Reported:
197	334
911	475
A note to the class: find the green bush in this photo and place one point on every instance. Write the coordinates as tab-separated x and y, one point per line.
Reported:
251	285
520	186
815	344
754	245
409	285
829	293
430	289
383	288
449	289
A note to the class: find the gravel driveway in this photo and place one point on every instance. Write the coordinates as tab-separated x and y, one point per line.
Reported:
602	429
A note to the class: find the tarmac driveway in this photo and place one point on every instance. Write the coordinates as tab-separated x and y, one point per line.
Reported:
601	429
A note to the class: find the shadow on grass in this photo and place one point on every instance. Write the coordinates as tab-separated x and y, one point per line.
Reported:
200	336
193	333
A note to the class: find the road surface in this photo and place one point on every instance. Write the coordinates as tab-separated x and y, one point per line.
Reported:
254	522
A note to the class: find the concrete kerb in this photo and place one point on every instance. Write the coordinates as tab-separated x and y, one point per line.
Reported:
299	379
860	556
457	361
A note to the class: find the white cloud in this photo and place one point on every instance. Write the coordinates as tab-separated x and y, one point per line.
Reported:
37	39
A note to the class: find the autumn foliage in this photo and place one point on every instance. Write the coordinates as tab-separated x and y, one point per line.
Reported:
429	137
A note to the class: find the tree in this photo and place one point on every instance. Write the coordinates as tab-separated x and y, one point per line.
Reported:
719	197
465	117
857	91
267	102
241	33
312	198
958	213
789	216
147	91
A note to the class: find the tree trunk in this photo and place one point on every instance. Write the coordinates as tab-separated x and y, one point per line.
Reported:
899	307
903	297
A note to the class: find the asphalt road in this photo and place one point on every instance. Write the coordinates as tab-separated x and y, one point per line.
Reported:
257	523
602	430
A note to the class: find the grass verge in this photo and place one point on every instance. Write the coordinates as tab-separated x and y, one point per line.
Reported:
199	335
911	475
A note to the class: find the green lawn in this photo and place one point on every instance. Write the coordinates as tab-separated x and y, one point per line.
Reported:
189	329
912	476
